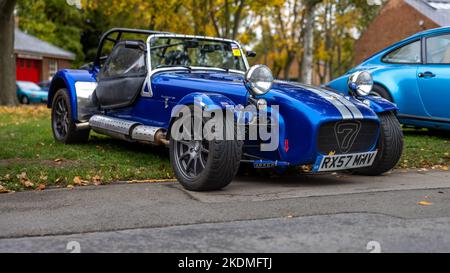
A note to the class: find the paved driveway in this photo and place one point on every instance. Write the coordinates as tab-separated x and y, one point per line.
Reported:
299	214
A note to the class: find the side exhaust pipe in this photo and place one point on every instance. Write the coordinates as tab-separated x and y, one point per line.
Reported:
128	130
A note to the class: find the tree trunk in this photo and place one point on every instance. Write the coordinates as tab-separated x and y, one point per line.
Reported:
7	59
308	43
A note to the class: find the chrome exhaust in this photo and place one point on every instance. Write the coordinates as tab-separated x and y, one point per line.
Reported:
128	130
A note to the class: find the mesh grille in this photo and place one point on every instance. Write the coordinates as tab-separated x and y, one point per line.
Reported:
347	136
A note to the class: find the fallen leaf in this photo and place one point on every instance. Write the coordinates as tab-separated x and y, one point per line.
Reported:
28	184
41	187
57	160
97	180
77	181
424	203
22	175
3	189
70	187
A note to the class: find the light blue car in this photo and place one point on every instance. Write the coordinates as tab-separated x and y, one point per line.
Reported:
29	92
414	74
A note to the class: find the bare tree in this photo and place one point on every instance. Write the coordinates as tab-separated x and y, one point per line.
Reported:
7	60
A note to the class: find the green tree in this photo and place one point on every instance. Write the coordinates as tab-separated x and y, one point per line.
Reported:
53	21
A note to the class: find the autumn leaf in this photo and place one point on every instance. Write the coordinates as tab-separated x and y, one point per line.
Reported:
43	177
69	187
28	184
424	203
41	187
77	181
3	189
24	180
97	180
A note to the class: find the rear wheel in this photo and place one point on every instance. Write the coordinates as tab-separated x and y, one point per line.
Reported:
202	165
63	124
390	146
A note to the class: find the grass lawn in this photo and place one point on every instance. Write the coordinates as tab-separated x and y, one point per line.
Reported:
31	159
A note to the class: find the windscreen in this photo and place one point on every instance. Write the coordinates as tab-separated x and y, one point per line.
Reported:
175	51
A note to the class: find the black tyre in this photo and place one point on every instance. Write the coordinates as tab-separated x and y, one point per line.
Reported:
24	100
63	124
201	165
379	91
390	146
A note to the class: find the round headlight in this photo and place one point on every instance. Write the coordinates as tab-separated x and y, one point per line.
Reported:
361	82
258	79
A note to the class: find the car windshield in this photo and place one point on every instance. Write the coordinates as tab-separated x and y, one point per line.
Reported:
29	86
193	52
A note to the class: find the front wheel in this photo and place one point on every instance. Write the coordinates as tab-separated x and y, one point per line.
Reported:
63	125
205	165
390	146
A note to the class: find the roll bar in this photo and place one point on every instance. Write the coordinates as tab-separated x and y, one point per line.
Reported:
107	37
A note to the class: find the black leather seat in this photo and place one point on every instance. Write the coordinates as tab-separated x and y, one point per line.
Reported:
122	76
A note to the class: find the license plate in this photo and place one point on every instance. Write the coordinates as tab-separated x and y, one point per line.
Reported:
344	161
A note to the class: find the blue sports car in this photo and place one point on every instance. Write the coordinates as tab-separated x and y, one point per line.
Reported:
415	75
198	96
29	92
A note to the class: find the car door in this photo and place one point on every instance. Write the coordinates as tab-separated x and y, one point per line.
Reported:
433	76
400	72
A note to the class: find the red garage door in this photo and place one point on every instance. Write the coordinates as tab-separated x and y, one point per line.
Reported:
28	70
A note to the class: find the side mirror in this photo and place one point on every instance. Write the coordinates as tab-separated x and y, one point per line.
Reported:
250	54
361	83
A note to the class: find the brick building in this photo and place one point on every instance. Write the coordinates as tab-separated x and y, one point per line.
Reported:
399	19
37	60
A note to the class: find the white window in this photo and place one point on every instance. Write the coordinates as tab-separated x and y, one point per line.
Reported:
52	68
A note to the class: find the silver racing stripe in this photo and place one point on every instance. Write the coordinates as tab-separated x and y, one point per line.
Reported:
336	103
345	113
352	107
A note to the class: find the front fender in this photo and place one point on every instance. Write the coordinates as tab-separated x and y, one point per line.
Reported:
207	102
379	105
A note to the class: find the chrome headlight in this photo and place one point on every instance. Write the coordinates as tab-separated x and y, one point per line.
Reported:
360	82
258	79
